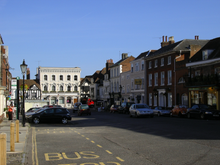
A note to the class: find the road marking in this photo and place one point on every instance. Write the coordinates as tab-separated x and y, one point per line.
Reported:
99	146
108	151
82	135
92	141
120	159
34	148
87	138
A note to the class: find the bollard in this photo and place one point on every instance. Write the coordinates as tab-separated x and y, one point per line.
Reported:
12	137
3	148
17	131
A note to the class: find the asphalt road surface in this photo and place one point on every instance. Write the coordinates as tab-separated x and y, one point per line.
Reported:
116	139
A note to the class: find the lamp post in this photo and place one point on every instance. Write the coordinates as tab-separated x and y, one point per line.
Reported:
23	70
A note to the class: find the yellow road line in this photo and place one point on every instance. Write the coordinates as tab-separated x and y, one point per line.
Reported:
92	141
34	148
108	151
120	159
99	146
87	138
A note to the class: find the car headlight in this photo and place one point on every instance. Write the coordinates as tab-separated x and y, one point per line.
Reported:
28	116
208	113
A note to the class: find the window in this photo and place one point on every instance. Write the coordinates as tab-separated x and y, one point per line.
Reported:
75	88
181	80
155	63
206	53
61	100
155	100
136	67
68	100
53	88
169	77
162	62
169	99
45	77
53	77
150	79
45	88
53	100
156	79
61	77
68	77
142	65
131	68
69	88
217	71
150	99
169	60
75	78
61	88
197	73
162	78
149	65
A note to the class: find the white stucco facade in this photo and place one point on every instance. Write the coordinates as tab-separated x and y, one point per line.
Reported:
60	85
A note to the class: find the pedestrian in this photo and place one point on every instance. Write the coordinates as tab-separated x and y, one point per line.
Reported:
10	111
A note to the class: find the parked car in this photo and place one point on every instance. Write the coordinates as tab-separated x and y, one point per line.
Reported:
138	110
202	111
84	109
54	114
160	111
33	109
76	106
114	108
178	110
125	107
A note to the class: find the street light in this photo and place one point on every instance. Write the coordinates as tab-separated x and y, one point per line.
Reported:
23	70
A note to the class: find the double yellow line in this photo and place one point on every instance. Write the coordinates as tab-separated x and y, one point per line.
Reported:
34	148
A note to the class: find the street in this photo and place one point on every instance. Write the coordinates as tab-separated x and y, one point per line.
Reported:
116	139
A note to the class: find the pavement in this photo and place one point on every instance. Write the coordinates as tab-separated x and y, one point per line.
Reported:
18	156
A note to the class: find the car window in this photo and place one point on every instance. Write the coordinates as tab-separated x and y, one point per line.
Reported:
142	106
49	111
84	106
195	106
60	111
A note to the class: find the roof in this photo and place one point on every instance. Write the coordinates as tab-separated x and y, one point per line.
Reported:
118	63
144	54
183	45
30	83
1	40
214	45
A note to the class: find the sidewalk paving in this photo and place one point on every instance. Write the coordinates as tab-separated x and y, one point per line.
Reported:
17	157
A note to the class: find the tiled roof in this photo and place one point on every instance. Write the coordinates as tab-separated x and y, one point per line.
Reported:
118	63
30	83
214	45
144	54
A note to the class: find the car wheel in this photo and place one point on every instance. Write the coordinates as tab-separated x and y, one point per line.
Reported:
171	114
188	115
158	114
64	120
202	116
136	115
36	120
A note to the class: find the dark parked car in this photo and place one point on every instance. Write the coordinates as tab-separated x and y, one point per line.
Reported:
125	107
51	106
202	111
84	109
33	109
55	114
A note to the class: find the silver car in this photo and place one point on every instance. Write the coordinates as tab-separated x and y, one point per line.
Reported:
159	111
138	110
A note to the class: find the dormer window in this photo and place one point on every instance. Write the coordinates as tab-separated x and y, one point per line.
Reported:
206	53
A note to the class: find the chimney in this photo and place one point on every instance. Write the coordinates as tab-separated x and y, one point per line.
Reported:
164	42
171	40
196	37
124	56
28	74
108	64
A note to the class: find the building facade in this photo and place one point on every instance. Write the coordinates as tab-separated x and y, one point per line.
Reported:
60	86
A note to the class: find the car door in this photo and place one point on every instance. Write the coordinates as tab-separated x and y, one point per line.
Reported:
47	115
59	113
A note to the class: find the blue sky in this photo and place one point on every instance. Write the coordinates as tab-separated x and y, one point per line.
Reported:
86	33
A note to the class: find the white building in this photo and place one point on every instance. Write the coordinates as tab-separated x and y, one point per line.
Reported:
60	86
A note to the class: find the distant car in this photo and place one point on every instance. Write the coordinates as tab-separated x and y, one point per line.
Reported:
84	109
76	106
178	110
138	110
125	107
114	108
202	111
54	114
160	111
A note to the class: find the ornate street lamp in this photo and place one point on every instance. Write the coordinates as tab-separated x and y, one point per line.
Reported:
23	70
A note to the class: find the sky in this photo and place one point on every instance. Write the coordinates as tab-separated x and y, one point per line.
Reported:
87	33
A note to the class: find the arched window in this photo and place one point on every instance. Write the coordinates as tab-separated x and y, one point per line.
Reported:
45	88
75	88
53	88
61	77
61	88
69	88
75	77
68	78
45	77
53	77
